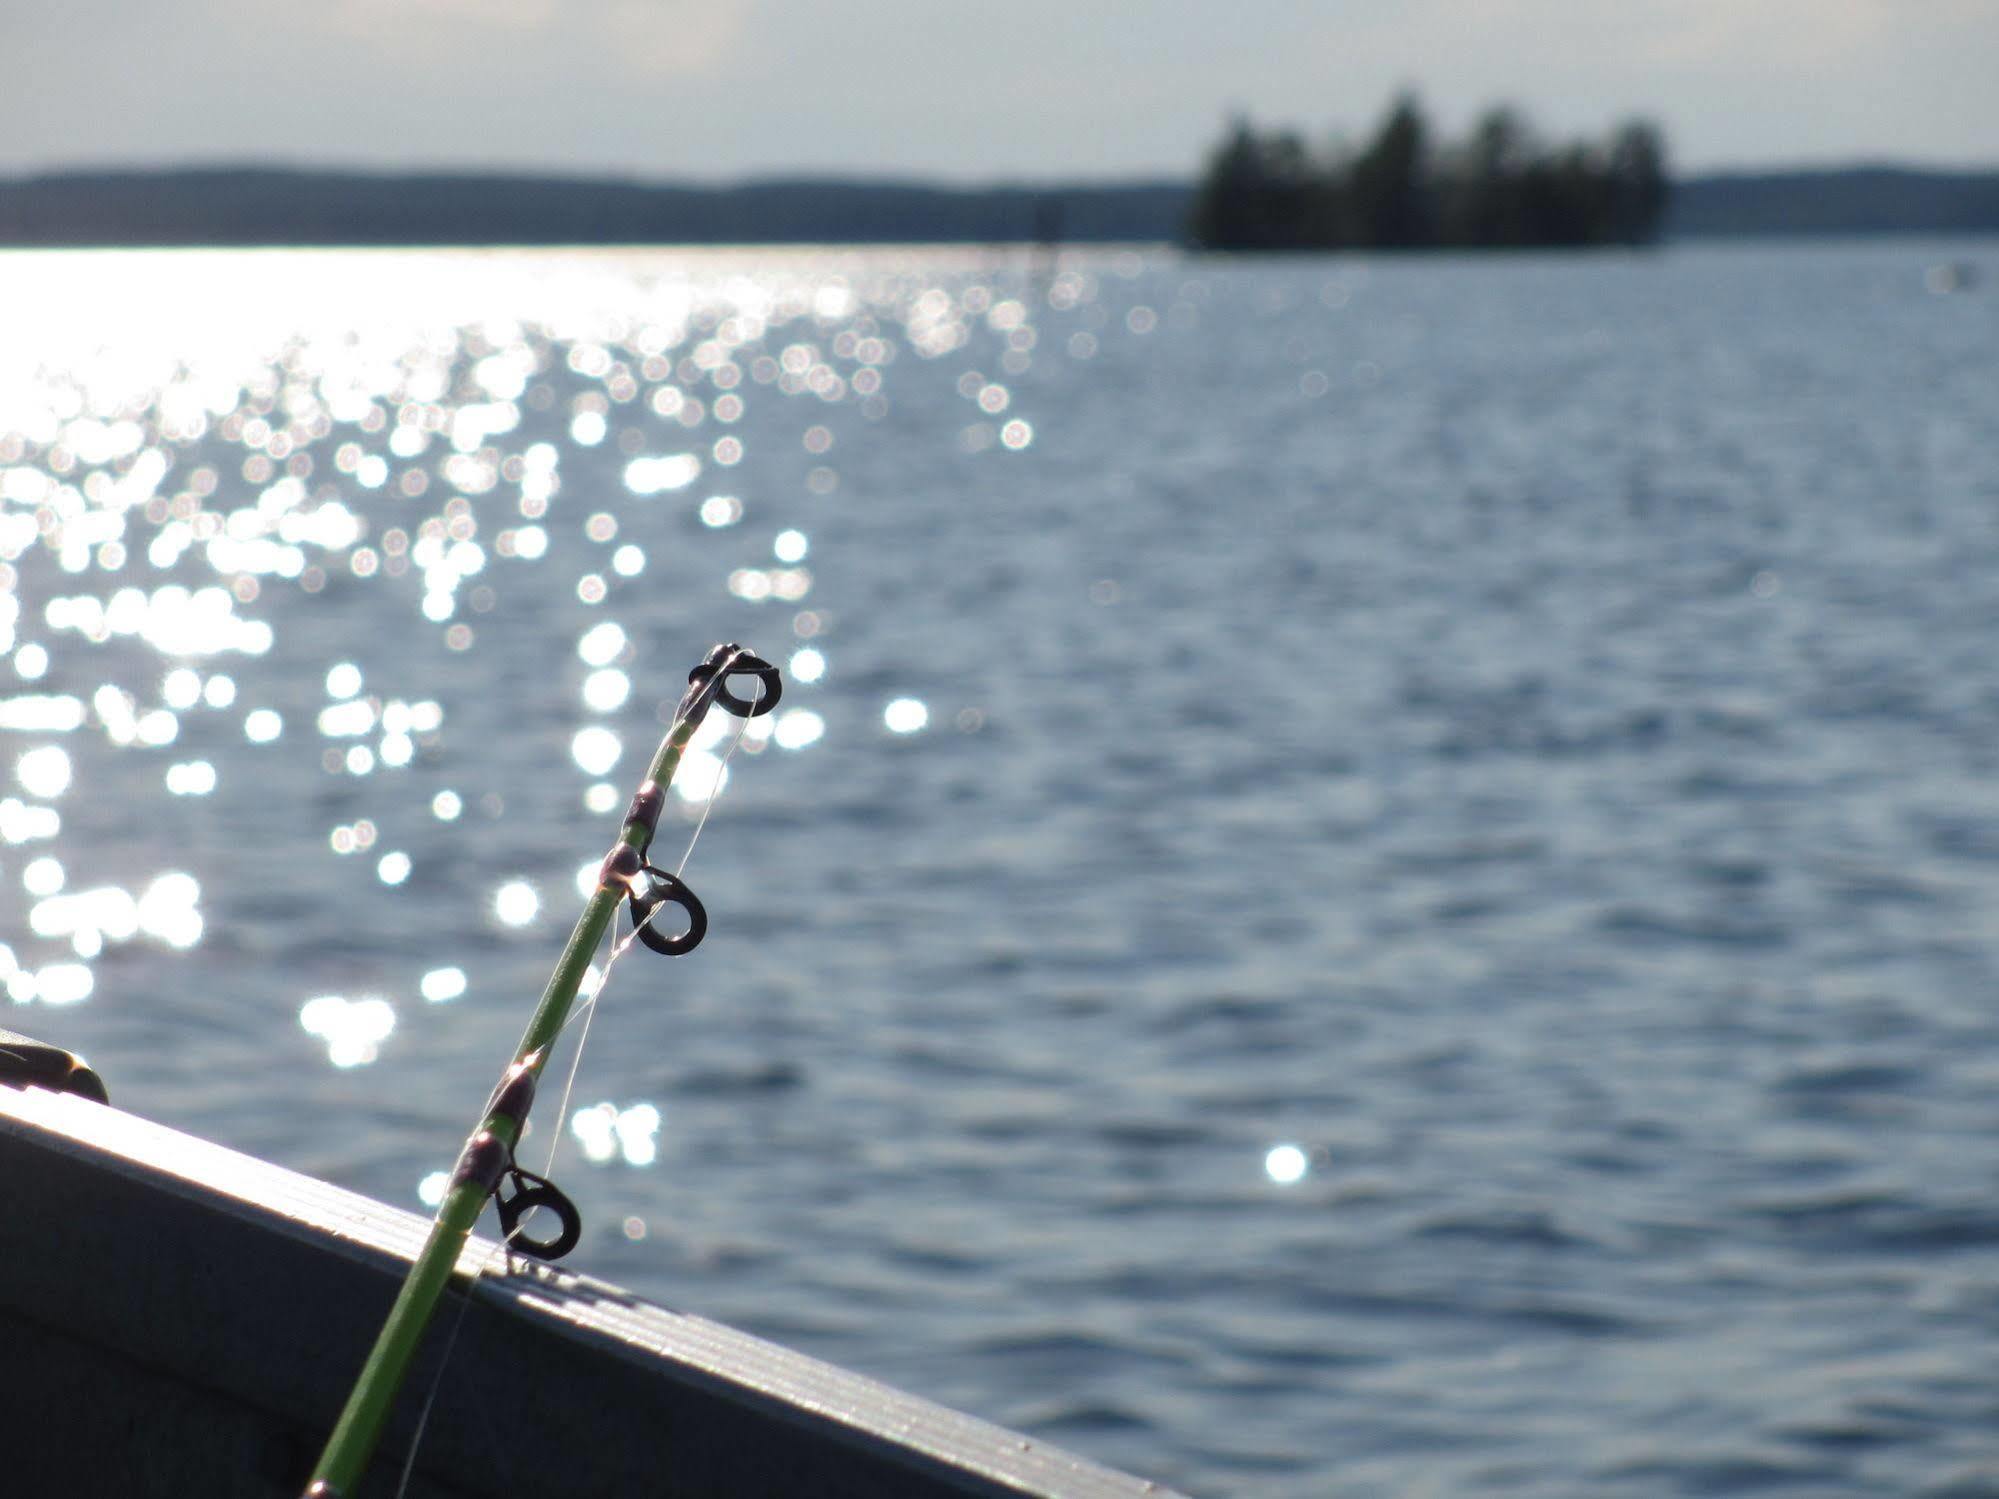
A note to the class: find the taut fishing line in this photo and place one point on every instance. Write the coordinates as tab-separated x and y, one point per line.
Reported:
488	1169
619	946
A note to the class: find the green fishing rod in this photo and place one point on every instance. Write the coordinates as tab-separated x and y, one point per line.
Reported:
486	1168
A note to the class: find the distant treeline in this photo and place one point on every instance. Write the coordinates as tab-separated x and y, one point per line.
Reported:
1500	187
276	206
268	206
1851	200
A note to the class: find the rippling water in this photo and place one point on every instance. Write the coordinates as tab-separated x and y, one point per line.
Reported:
1374	878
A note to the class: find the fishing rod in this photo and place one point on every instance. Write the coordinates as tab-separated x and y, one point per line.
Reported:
487	1168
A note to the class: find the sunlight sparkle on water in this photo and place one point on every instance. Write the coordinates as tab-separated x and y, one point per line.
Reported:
638	1129
596	750
515	903
219	480
353	1030
607	1133
35	714
157	727
63	983
905	715
191	778
43	772
651	476
601	644
798	727
181	689
345	720
22	823
89	917
168	909
721	510
702	775
441	985
605	691
1285	1164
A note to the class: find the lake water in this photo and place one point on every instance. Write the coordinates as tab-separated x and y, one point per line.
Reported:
1373	878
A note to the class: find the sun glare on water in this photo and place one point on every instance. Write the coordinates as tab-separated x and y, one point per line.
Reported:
262	515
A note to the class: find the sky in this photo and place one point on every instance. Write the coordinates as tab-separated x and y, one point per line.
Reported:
1027	90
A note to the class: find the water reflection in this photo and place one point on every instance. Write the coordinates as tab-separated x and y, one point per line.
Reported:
200	464
191	778
602	644
607	1133
905	715
43	772
596	750
605	691
23	823
441	985
1285	1164
353	1030
516	903
797	728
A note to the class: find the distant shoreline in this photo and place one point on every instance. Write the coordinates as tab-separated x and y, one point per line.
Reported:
274	206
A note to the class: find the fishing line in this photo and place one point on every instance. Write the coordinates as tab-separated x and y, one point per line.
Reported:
487	1170
437	1381
576	1061
618	949
715	790
502	1249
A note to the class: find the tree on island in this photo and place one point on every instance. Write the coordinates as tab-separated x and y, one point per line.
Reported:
1262	189
1501	187
1389	184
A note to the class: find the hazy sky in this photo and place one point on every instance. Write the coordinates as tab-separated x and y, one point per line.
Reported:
1027	88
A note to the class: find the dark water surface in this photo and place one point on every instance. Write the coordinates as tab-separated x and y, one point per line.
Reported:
1390	883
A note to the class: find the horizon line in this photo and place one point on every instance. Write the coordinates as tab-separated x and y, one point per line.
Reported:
858	176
